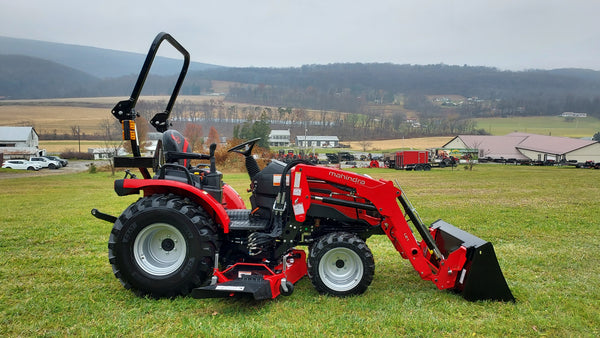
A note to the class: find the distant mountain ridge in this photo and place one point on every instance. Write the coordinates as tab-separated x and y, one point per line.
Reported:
60	70
98	62
29	77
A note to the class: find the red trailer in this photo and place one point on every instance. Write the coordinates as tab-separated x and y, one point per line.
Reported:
416	160
413	160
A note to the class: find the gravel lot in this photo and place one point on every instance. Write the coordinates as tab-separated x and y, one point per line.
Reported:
73	167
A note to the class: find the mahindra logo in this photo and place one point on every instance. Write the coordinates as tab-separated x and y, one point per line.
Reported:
176	138
346	177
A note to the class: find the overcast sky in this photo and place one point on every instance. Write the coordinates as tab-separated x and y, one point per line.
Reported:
507	34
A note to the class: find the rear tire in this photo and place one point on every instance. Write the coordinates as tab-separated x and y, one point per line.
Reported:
341	264
162	246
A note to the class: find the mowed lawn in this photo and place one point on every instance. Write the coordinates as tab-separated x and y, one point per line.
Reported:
543	222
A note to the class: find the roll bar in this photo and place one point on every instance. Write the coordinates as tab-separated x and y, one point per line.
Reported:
125	110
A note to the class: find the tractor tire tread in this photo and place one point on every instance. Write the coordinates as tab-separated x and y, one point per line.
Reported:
205	232
333	240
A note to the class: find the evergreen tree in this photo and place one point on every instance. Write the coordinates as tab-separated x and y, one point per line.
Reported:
257	129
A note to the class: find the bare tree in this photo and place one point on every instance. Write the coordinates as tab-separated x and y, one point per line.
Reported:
193	133
364	144
76	131
213	136
112	136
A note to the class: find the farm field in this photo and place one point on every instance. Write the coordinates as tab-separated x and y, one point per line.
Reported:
396	144
543	125
57	281
54	119
57	147
58	115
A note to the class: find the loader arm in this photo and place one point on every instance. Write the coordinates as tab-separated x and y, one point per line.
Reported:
383	197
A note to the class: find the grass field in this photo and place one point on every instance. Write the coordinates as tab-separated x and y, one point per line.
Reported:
543	222
543	125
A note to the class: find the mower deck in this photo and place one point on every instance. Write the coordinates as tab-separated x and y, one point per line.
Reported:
256	280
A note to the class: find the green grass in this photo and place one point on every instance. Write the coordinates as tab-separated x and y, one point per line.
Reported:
543	221
543	125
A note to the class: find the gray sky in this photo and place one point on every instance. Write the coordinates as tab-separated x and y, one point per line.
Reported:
507	34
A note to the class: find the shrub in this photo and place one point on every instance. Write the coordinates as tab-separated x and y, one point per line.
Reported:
75	155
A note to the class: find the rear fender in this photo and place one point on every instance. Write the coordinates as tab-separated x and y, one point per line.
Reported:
231	199
126	187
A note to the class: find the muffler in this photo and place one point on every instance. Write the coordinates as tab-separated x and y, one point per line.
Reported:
481	277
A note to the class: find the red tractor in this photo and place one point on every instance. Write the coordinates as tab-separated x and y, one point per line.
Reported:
191	233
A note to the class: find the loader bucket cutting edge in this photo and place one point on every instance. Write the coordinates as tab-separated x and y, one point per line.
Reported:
481	277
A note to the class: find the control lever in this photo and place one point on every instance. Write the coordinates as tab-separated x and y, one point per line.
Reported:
211	154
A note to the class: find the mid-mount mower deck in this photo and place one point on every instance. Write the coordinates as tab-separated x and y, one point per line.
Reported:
191	233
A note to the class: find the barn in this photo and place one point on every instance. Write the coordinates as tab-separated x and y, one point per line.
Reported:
529	147
19	143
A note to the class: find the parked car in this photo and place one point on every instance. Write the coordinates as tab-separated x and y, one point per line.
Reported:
21	164
46	163
62	161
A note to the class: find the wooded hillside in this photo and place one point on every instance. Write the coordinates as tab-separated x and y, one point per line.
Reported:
362	101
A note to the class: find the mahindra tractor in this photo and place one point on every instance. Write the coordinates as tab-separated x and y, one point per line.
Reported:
190	233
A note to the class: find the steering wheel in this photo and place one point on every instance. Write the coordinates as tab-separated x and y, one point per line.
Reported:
244	148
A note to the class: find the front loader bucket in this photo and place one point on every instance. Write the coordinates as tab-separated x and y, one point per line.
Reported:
481	277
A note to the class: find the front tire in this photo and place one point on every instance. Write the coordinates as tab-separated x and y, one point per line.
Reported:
162	246
341	264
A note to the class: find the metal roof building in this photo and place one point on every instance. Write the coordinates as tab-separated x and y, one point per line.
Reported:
524	146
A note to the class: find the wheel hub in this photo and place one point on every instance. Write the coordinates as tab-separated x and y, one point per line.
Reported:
159	249
167	244
341	269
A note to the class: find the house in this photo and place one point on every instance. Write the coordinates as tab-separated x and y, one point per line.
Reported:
19	143
529	147
572	114
318	141
106	153
279	138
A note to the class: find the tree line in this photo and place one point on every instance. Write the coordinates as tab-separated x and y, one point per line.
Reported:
357	100
349	87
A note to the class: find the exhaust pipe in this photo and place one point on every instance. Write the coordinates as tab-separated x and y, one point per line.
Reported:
481	277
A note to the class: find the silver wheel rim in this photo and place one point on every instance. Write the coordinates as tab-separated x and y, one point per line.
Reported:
159	249
341	269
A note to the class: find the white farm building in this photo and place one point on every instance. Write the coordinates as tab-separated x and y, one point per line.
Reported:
318	141
19	143
279	138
